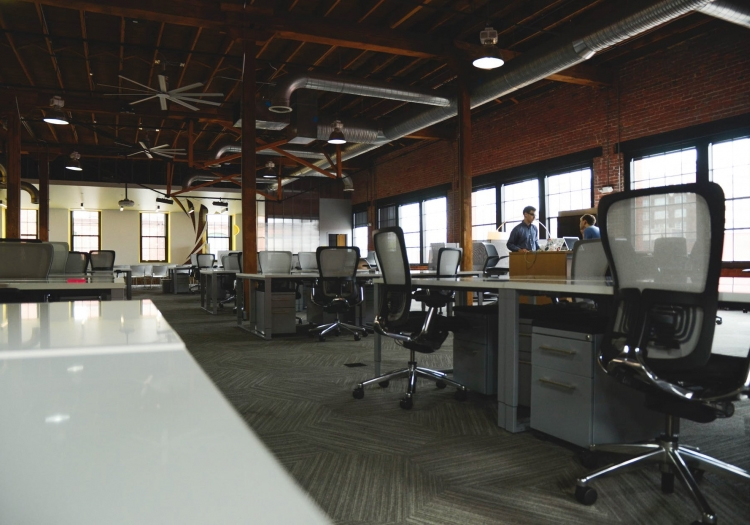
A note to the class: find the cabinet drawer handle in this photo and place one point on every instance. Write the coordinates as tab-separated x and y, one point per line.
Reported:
557	383
558	350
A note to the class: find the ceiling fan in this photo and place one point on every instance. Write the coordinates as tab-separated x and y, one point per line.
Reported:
163	151
179	96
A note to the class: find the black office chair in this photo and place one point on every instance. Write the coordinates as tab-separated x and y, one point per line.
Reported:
448	261
337	290
232	262
76	263
102	260
422	332
660	338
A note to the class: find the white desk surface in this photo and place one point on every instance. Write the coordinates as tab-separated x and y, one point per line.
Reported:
216	271
106	418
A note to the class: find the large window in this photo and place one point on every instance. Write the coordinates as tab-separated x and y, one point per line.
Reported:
218	233
360	231
567	191
515	197
29	224
154	237
85	230
483	213
292	235
434	224
663	169
729	166
409	220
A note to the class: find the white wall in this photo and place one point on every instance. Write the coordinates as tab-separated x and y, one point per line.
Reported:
59	227
335	217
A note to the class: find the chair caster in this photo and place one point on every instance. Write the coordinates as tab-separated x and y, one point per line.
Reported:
357	337
321	338
440	384
461	395
358	393
667	482
364	334
586	495
384	384
406	403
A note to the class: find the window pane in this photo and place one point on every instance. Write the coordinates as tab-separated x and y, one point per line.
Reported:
515	197
154	237
729	167
664	169
408	219
85	228
29	226
573	192
435	221
483	213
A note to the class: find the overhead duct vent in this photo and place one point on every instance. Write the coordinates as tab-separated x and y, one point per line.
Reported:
304	124
264	119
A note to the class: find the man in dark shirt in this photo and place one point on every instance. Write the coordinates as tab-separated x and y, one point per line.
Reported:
524	237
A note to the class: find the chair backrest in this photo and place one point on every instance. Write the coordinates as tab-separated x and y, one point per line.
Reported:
60	258
670	320
25	260
194	259
492	256
275	262
231	262
395	302
102	260
589	260
448	261
308	261
479	255
206	260
159	270
138	270
338	274
77	263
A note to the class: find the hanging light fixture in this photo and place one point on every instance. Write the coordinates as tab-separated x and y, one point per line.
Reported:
337	135
269	172
56	115
75	162
126	203
490	56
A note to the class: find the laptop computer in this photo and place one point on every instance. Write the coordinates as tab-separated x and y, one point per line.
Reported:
571	242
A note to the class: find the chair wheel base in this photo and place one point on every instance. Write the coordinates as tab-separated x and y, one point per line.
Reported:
357	337
384	384
406	403
586	495
358	393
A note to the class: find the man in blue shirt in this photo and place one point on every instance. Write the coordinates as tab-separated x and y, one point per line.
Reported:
588	230
524	237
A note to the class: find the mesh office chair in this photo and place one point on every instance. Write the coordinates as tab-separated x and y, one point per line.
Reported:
660	338
308	261
25	259
337	290
422	332
275	262
589	260
102	265
446	265
231	262
77	263
59	259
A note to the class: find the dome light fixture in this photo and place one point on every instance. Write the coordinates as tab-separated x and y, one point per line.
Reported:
490	56
56	115
337	135
268	172
74	163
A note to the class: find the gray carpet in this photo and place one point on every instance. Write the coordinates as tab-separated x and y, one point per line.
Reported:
443	462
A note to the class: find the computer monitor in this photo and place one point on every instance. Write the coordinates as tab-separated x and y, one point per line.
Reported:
571	242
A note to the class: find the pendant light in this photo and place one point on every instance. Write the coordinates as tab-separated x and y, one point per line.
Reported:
337	135
490	56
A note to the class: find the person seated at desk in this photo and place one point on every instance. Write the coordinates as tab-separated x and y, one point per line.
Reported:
588	230
524	237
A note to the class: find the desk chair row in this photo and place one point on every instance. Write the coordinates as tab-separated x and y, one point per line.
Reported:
659	340
34	259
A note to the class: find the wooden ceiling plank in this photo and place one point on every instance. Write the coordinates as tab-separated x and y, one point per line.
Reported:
371	11
409	14
198	32
156	54
84	34
52	56
13	48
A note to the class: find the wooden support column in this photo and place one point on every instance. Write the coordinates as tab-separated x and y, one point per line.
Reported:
43	197
249	207
13	155
464	171
191	140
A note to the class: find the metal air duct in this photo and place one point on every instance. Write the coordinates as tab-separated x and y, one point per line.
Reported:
729	10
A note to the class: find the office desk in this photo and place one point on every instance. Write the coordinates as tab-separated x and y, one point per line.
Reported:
128	280
46	290
209	285
731	290
108	419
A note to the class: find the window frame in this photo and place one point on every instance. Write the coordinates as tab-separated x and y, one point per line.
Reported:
229	236
36	222
72	229
166	237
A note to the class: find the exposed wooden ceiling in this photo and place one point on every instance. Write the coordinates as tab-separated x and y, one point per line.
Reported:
77	49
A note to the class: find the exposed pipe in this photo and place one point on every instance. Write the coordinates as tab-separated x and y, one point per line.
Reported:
536	65
729	10
26	186
301	153
199	177
365	88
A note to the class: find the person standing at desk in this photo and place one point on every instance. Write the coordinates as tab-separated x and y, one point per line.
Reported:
524	237
588	230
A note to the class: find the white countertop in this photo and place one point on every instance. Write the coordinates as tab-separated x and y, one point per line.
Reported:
107	419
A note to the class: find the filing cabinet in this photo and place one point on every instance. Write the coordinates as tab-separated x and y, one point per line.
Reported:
573	399
283	312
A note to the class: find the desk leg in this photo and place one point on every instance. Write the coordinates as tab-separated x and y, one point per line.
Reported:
268	310
507	361
129	285
376	336
240	301
202	288
214	304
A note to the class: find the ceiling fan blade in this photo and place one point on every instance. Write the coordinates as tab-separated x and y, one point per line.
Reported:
137	83
148	154
136	153
163	103
126	94
143	100
181	103
201	94
197	100
160	147
185	88
163	83
143	145
165	155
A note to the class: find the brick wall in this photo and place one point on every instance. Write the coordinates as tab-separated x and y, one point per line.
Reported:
699	80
